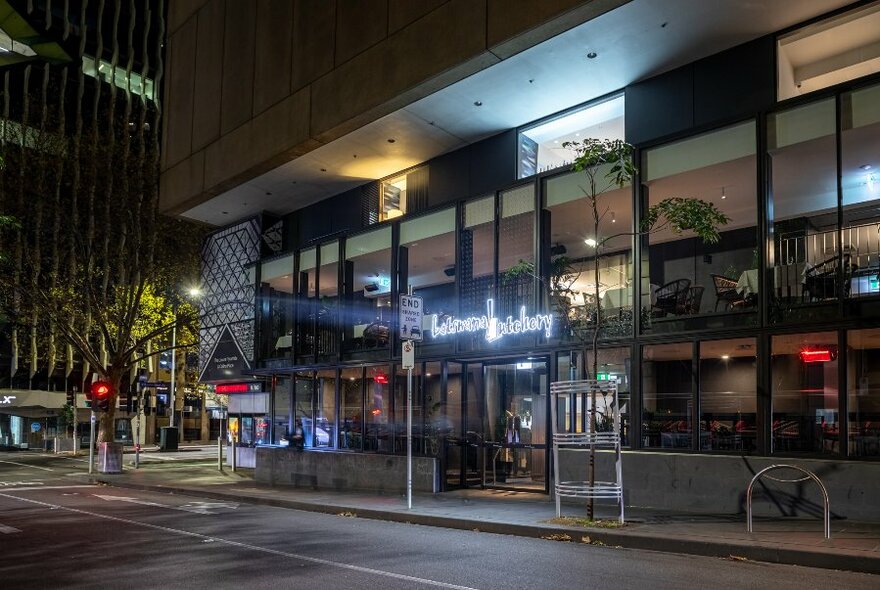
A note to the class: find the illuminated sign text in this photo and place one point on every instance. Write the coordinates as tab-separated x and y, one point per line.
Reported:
494	327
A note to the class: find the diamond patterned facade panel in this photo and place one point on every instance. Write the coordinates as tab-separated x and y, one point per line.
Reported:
228	258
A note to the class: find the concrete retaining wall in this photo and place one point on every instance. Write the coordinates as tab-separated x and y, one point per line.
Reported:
717	484
344	471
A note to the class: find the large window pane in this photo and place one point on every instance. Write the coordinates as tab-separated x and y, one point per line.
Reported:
803	212
325	408
436	427
685	276
860	160
351	383
571	244
804	394
667	402
307	283
614	363
276	294
281	407
728	395
863	393
400	396
328	300
427	259
367	321
477	262
303	408
378	431
540	146
516	245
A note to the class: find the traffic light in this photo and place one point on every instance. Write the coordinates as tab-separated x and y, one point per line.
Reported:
101	392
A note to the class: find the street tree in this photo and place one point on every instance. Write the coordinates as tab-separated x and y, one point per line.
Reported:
94	269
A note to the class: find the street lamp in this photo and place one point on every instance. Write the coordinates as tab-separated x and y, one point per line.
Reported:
194	292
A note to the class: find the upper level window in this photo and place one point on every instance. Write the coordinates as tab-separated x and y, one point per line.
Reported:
540	146
826	53
404	193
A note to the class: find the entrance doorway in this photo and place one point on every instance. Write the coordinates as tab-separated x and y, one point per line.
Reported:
502	411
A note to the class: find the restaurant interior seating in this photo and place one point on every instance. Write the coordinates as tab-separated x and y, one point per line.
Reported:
725	290
672	298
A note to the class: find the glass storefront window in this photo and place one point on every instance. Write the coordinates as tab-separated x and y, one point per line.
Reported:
366	322
728	395
477	276
276	306
427	261
282	417
860	174
540	145
572	248
685	276
516	247
804	393
325	408
351	410
328	300
436	427
378	435
400	395
667	396
307	283
804	250
863	393
614	363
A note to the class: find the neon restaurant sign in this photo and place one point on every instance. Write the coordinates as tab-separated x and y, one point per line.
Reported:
495	328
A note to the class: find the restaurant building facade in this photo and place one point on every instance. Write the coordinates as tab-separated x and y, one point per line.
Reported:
729	356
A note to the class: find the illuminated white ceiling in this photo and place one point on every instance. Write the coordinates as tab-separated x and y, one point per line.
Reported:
633	42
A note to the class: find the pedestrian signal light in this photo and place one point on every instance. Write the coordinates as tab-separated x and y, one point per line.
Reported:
101	392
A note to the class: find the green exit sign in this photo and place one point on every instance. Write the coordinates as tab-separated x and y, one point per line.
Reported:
602	376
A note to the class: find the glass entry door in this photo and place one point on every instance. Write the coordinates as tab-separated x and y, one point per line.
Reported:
514	418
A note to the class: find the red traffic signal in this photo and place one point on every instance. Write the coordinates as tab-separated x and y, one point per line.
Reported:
100	393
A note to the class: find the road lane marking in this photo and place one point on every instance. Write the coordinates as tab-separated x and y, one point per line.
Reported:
26	465
215	539
8	484
40	488
8	530
185	508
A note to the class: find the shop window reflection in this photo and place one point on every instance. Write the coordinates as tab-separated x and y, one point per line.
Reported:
366	321
685	276
667	396
351	382
863	393
804	393
728	395
378	435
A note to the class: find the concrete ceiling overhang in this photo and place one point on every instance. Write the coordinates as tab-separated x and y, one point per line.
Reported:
522	80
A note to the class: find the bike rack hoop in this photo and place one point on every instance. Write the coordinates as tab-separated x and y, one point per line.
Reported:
807	475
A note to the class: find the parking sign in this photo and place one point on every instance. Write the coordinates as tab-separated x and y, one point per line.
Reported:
411	313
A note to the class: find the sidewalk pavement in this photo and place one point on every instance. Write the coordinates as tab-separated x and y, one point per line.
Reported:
853	546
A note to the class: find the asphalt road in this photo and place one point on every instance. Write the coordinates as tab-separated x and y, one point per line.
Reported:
56	532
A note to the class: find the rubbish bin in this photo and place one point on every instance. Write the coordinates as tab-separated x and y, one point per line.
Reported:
168	438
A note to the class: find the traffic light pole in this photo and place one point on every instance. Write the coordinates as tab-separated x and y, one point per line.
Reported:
75	421
92	444
137	427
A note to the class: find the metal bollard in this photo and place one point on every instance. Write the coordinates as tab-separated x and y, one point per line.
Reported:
233	453
219	453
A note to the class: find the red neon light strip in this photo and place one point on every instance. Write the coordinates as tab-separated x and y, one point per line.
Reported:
816	356
232	388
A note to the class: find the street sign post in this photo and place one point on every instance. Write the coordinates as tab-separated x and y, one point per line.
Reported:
411	314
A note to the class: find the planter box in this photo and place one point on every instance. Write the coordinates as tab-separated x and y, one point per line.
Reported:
341	470
110	457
